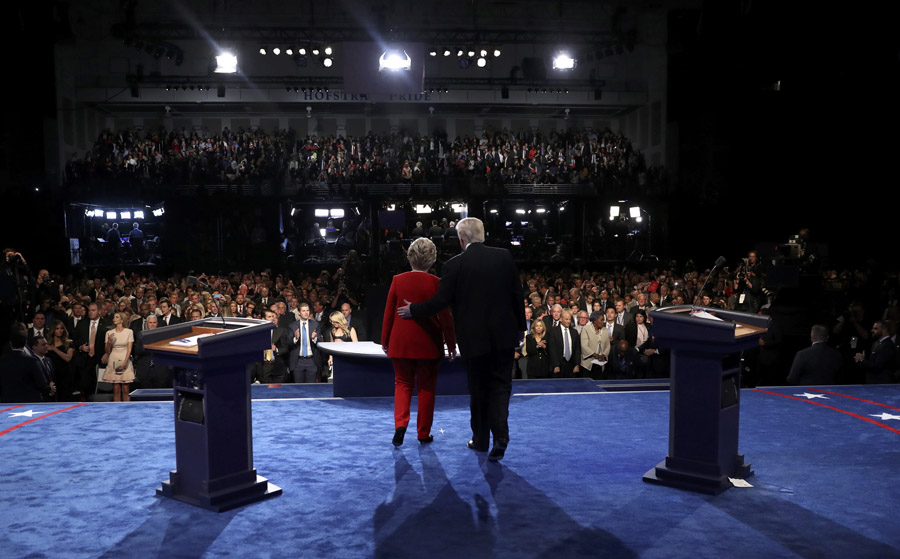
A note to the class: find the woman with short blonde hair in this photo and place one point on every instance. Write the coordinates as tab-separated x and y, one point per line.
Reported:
421	254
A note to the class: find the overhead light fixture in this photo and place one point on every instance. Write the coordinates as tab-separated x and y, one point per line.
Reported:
447	52
98	213
328	62
496	53
276	51
125	215
458	208
315	51
394	60
481	62
226	63
321	212
336	213
262	51
520	211
613	212
328	51
563	61
139	214
423	209
110	215
289	51
432	52
634	211
493	210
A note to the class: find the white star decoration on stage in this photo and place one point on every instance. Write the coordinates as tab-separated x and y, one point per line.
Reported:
442	431
29	413
885	416
809	396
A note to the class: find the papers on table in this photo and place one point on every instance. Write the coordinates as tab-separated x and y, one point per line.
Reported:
703	314
190	341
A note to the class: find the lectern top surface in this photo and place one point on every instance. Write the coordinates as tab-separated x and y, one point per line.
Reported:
166	345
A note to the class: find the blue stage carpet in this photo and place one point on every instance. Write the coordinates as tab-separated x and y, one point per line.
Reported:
80	480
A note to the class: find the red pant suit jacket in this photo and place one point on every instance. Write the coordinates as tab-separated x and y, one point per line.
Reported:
421	338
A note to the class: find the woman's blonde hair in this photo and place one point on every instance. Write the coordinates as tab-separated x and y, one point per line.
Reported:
421	254
338	316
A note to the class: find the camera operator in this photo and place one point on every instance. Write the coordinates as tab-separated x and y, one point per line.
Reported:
749	283
16	285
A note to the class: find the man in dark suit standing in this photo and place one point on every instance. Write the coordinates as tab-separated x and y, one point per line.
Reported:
21	377
481	285
273	368
304	338
817	364
90	344
881	362
616	331
565	348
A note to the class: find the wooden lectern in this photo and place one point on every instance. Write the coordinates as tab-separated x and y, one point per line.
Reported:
704	397
213	429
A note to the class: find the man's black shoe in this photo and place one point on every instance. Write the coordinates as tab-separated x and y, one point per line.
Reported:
471	445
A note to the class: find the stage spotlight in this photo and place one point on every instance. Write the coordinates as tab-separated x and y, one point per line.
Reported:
125	215
458	208
614	212
110	215
460	53
289	51
276	51
496	53
315	51
98	213
520	211
634	211
423	209
432	52
470	53
483	53
321	212
139	214
328	51
481	62
262	51
563	61
226	63
447	52
394	60
328	62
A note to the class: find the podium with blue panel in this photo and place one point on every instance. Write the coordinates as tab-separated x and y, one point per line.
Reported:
704	397
213	428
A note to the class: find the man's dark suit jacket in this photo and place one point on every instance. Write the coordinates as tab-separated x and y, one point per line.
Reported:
173	319
276	370
881	362
296	347
488	315
817	364
621	366
617	336
21	379
555	347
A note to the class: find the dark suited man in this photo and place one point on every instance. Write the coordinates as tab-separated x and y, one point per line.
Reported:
565	348
621	363
817	364
616	332
881	362
623	317
90	336
274	367
39	326
481	285
147	373
551	321
304	362
21	377
167	316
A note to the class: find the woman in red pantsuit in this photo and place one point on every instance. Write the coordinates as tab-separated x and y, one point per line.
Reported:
416	347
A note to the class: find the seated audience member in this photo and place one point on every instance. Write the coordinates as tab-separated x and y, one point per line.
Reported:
817	364
622	362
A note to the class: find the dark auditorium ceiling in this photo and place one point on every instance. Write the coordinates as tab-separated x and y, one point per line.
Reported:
592	28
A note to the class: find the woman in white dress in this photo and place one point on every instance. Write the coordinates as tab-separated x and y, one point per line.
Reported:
119	372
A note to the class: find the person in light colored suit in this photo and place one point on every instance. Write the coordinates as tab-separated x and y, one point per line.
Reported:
595	346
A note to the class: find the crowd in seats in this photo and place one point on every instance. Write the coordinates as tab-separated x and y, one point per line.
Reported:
853	312
253	157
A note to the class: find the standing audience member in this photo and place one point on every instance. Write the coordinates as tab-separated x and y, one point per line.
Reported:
595	346
536	350
61	352
21	378
565	348
817	364
880	364
119	371
304	347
